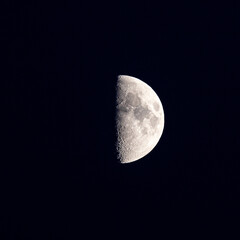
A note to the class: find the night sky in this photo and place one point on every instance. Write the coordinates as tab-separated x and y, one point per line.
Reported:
60	178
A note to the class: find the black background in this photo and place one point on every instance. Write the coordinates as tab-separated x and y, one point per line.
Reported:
60	177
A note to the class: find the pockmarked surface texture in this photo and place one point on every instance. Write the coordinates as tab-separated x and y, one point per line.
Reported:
139	119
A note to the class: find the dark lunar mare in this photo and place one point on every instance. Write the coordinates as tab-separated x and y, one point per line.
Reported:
141	112
133	100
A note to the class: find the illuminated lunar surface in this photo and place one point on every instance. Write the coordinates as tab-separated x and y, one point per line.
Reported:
139	119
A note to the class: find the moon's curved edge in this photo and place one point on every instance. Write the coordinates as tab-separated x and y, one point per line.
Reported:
120	154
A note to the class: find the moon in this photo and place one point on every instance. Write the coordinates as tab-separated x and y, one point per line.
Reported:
139	119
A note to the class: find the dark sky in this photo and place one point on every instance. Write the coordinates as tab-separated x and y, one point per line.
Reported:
60	177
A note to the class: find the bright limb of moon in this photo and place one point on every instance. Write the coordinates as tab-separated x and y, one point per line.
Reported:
139	119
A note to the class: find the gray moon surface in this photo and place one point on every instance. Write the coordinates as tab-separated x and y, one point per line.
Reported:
139	119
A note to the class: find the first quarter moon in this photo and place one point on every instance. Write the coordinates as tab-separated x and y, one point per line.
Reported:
139	119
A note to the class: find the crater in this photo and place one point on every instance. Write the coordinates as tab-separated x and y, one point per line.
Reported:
131	85
141	112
